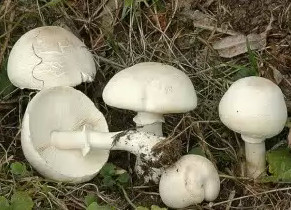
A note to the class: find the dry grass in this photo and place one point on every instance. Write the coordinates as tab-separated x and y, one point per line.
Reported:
150	33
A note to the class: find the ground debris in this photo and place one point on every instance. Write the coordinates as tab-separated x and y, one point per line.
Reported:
232	46
278	77
109	14
205	21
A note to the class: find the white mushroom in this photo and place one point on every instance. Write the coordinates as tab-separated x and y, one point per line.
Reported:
50	56
61	109
60	127
189	181
255	108
151	89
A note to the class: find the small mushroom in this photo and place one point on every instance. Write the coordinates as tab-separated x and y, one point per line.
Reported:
49	56
65	137
151	89
189	181
255	108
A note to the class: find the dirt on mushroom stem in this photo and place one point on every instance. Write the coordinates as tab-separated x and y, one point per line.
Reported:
164	153
121	134
169	152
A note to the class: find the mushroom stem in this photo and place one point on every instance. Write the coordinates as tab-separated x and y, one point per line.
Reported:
149	122
255	157
138	143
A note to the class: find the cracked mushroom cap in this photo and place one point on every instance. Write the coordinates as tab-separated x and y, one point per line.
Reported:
49	56
151	87
189	181
254	107
65	109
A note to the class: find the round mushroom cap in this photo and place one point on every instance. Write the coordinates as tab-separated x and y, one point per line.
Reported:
151	87
189	181
254	107
61	109
49	56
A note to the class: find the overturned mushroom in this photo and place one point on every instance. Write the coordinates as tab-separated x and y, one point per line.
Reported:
66	138
189	181
255	108
50	56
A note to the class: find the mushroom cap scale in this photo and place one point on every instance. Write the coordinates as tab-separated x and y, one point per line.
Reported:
151	87
49	56
61	108
193	178
254	107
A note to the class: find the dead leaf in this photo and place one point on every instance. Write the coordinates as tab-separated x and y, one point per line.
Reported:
208	3
277	75
231	46
159	19
182	4
109	14
205	21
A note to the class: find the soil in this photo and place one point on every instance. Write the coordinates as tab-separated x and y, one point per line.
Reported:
247	16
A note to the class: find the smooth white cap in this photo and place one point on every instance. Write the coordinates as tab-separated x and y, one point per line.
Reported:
49	56
255	108
189	181
151	87
61	109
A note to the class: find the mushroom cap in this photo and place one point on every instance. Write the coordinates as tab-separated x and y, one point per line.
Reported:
65	109
189	181
49	56
151	87
254	107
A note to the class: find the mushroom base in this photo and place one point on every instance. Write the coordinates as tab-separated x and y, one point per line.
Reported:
165	153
